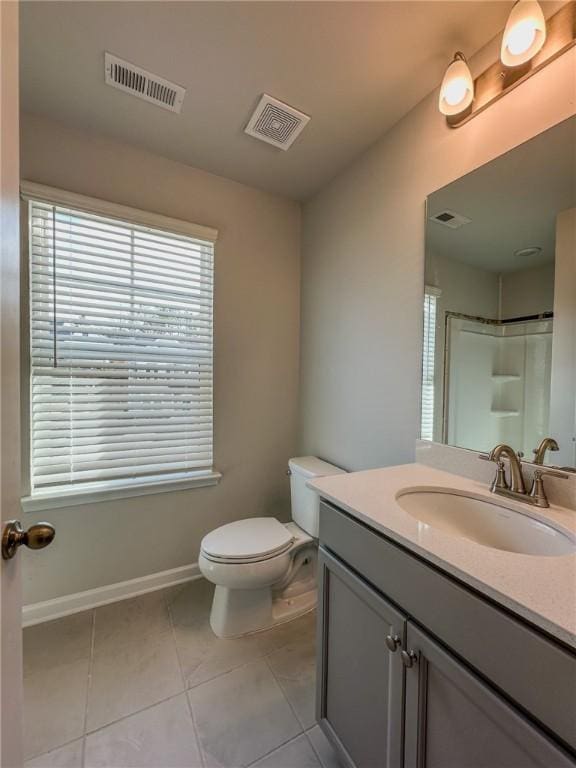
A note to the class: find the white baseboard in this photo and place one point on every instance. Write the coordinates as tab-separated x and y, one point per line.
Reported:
36	613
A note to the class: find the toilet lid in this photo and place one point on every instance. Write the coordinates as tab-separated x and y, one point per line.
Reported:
254	537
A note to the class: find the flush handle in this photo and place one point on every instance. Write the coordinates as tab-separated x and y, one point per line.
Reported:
37	536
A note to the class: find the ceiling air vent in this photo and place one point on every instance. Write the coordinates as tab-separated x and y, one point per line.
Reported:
276	123
125	76
450	219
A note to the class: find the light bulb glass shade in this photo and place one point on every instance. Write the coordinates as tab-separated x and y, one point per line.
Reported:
525	33
457	89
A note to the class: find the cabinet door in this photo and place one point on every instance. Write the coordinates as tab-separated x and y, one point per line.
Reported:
361	680
454	720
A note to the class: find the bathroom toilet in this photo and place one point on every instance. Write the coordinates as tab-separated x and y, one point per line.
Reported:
265	570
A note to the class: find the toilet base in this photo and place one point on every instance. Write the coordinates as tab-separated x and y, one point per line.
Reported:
237	612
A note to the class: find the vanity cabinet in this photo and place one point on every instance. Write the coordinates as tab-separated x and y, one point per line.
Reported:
362	680
412	674
454	720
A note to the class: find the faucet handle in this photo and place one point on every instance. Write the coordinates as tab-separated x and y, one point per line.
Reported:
539	473
537	492
500	482
486	456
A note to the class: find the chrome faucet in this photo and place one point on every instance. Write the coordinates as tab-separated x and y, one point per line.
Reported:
517	488
548	444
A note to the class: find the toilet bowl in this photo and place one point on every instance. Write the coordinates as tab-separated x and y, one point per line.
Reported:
265	570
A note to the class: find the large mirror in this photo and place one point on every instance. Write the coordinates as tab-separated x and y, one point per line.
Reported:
499	351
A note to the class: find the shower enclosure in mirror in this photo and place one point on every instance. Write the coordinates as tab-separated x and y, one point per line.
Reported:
499	352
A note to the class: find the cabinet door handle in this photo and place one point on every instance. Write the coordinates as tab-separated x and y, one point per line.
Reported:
393	642
409	658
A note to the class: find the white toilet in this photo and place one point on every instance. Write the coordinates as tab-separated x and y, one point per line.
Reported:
265	570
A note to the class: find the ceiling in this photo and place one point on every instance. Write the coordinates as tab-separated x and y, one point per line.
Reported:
355	67
512	203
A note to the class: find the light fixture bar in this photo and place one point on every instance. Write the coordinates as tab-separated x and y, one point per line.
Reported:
498	80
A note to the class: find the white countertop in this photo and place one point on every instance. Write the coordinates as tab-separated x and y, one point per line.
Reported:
540	589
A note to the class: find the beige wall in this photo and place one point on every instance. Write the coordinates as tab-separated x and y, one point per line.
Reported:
257	286
528	291
464	287
363	258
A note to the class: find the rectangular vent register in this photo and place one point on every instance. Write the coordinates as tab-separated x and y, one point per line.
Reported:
142	84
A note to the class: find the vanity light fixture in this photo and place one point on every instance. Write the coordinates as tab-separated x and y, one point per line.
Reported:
525	33
457	89
529	43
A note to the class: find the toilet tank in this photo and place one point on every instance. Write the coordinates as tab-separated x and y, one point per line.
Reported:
305	501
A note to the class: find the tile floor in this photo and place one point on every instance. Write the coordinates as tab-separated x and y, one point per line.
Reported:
145	683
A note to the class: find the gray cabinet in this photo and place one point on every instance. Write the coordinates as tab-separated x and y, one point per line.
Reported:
464	685
454	720
360	680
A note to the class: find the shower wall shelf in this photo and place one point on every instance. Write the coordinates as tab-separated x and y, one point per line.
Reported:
503	413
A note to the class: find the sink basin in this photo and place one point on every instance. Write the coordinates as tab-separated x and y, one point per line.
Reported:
484	522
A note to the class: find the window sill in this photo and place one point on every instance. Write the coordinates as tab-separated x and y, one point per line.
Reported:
55	498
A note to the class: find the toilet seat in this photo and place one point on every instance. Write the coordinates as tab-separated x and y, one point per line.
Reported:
247	541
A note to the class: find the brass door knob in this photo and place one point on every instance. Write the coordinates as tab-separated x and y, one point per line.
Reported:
37	536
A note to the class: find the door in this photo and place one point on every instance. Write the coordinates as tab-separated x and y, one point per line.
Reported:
10	595
454	720
360	691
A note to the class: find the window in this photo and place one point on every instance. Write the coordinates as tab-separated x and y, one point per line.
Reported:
120	349
428	358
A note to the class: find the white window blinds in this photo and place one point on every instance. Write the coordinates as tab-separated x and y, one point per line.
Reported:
120	348
428	356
